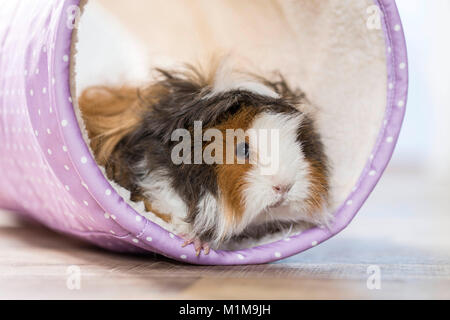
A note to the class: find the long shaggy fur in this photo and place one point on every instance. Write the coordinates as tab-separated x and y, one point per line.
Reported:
130	131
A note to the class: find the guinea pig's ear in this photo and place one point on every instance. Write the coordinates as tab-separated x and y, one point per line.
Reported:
281	87
184	98
296	97
109	114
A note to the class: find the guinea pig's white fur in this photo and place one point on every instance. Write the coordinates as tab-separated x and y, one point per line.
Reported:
284	180
292	169
228	78
158	190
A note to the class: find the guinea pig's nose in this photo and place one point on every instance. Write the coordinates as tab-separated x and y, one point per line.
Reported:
281	188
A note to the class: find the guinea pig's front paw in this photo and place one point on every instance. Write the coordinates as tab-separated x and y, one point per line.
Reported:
198	244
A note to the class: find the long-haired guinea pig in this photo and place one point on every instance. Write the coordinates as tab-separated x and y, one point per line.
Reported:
137	133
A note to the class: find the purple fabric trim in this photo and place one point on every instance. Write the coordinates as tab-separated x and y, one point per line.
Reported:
47	163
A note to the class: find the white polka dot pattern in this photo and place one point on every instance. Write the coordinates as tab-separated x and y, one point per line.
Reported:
50	174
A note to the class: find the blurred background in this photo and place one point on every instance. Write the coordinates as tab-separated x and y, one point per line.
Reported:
424	142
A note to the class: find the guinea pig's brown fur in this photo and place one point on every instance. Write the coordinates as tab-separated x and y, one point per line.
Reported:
130	131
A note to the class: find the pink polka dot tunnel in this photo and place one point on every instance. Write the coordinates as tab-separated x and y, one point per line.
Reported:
48	173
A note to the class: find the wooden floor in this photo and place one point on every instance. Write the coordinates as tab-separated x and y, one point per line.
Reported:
403	229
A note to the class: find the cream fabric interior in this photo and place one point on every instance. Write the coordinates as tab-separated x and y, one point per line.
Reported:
325	47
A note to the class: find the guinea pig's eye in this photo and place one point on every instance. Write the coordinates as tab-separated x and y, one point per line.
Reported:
243	150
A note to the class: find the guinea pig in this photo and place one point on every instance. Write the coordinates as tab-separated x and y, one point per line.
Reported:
135	133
